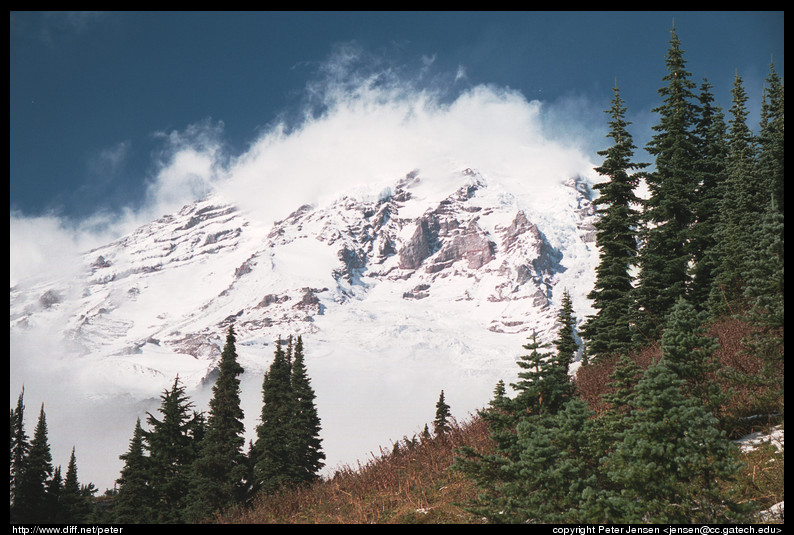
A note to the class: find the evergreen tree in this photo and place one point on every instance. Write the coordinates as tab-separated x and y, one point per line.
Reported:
669	211
771	145
566	337
52	512
172	445
20	447
616	238
544	384
672	460
74	505
30	502
689	353
765	294
500	398
309	452
441	421
712	149
133	503
542	425
556	466
620	402
744	201
273	453
220	469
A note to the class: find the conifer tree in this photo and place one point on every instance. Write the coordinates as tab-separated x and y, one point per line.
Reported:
771	145
620	402
555	466
133	503
543	424
544	384
220	469
74	505
500	398
172	445
743	202
616	238
441	421
308	444
273	453
20	447
669	211
566	337
689	353
712	150
30	502
52	512
765	294
672	460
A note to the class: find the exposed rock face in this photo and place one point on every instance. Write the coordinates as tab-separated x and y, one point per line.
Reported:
420	246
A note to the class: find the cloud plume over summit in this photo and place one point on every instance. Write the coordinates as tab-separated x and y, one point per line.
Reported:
363	123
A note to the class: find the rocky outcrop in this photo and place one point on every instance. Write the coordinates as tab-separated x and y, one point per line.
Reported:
471	245
420	245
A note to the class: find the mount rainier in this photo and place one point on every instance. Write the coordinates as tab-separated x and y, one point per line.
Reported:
399	291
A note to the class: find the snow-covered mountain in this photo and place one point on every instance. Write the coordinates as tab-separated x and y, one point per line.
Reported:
399	291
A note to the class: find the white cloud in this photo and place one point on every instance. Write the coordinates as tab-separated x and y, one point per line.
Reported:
365	122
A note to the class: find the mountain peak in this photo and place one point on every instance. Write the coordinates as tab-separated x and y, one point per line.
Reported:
437	276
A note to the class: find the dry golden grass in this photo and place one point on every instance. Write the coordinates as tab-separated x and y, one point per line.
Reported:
413	483
409	484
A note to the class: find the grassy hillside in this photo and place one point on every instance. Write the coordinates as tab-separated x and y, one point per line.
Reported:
412	483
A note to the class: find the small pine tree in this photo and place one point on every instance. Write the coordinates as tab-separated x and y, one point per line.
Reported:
566	337
689	353
544	384
74	505
441	422
672	460
133	502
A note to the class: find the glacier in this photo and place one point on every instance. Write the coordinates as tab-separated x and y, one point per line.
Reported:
399	290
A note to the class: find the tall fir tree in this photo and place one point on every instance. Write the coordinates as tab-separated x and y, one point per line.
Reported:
712	148
608	330
30	504
20	447
273	459
771	145
743	202
309	453
134	503
218	478
172	443
669	212
52	512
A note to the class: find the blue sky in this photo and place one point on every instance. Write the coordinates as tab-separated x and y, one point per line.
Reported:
100	102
